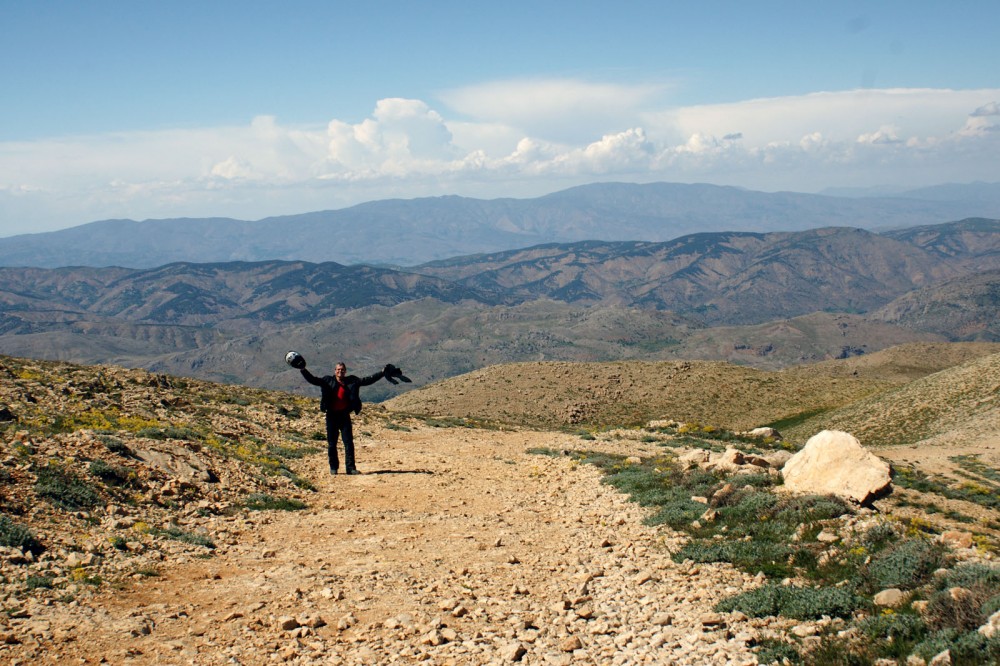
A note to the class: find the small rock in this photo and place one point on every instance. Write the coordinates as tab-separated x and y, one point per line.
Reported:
662	619
712	620
892	598
803	630
513	652
827	536
957	539
941	659
570	643
992	626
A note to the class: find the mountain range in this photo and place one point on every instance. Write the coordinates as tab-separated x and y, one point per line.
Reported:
765	299
411	232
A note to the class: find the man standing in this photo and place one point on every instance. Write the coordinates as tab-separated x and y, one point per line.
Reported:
340	395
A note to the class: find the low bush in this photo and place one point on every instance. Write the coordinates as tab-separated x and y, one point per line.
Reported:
971	575
169	432
800	603
65	489
177	534
893	634
769	557
116	446
906	565
968	648
36	582
773	651
13	535
265	502
113	475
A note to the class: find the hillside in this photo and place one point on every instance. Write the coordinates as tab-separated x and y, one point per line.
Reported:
963	309
594	395
957	405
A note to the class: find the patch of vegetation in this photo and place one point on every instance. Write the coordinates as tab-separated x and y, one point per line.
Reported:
977	493
177	534
170	432
63	488
974	466
116	445
907	564
13	535
266	502
270	459
43	581
114	475
739	520
800	603
290	412
774	651
544	451
292	453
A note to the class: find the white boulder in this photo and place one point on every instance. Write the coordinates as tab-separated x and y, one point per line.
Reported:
834	463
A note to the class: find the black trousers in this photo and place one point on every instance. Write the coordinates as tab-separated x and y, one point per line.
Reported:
339	423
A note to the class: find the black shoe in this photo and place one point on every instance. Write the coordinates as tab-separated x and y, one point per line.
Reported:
352	471
333	470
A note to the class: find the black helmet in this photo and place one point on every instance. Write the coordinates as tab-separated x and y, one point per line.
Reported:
294	359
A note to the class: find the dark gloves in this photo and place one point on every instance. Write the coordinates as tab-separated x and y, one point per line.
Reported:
392	373
295	359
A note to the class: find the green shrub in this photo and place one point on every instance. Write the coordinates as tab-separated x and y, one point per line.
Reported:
769	557
968	648
177	534
747	505
810	508
970	575
906	565
65	489
800	603
773	651
169	432
265	502
543	451
878	536
893	634
116	446
292	453
13	535
113	475
36	582
678	513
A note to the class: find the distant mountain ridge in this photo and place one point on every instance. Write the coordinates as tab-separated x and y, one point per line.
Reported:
410	232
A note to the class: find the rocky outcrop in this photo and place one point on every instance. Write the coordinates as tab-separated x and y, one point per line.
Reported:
834	462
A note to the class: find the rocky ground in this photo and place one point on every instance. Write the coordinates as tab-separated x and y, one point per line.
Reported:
457	545
454	546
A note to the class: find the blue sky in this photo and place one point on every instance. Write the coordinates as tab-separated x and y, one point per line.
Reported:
249	109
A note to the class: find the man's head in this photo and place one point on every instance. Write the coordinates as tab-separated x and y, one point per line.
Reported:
340	370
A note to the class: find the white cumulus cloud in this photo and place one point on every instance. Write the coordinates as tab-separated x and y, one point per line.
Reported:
513	138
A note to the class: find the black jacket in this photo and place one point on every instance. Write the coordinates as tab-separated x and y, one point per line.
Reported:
328	388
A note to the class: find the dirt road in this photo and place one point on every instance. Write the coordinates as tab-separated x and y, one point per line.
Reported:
455	546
